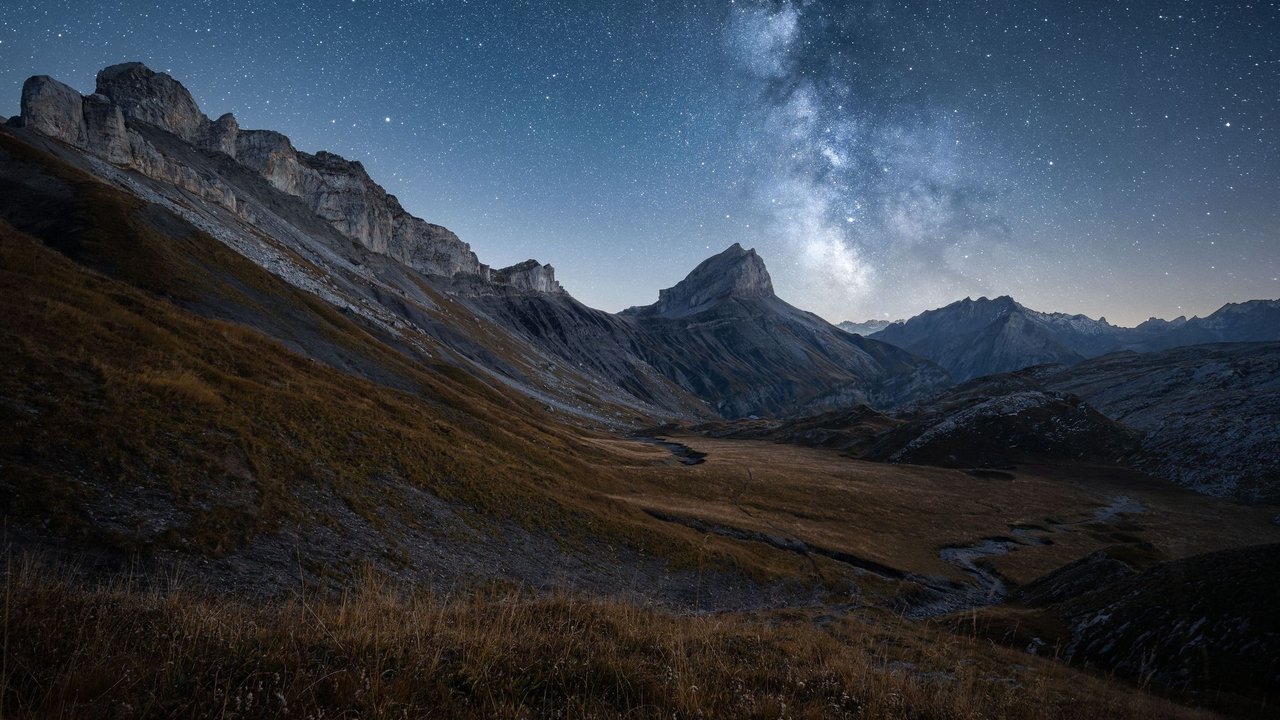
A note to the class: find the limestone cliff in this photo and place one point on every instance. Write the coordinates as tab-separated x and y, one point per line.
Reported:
130	97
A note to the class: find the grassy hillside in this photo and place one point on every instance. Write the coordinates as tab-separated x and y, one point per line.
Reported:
120	653
137	421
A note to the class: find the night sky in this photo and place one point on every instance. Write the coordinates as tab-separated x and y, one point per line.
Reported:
1117	159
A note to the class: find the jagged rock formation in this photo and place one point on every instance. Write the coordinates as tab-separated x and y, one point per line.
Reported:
865	327
720	342
530	275
971	338
112	124
734	273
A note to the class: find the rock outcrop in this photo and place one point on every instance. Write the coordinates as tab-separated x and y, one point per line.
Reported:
54	109
1210	414
734	273
154	98
530	275
723	334
130	97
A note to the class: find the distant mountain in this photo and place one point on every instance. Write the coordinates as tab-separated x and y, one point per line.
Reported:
971	338
1252	321
865	327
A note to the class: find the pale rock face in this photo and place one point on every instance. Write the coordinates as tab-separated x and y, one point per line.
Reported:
105	133
341	192
154	98
222	134
734	273
336	189
530	275
53	109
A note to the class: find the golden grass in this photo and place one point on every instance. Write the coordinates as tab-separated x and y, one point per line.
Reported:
901	515
121	652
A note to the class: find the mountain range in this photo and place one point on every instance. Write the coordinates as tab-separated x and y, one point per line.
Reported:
229	359
971	338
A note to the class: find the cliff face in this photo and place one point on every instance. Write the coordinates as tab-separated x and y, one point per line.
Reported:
734	273
107	125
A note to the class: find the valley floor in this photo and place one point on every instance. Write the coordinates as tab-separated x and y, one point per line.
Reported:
878	551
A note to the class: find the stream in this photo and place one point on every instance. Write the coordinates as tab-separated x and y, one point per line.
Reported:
988	588
685	454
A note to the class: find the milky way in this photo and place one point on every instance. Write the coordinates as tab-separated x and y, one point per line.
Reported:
1118	160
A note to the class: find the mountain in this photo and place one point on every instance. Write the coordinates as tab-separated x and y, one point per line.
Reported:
723	334
971	338
321	224
1205	417
1252	321
866	327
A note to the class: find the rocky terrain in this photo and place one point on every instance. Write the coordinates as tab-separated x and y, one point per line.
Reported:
1209	415
1003	421
723	334
1175	623
865	328
971	338
1204	417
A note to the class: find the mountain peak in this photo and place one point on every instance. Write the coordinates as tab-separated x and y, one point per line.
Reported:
734	273
154	98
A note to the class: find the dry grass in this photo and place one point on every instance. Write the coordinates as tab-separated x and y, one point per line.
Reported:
119	652
901	515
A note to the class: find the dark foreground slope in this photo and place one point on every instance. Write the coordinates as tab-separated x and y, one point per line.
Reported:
1207	624
379	653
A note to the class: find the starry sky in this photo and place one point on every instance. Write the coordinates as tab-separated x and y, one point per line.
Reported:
1117	159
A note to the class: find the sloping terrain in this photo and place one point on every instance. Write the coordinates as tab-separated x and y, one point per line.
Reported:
1204	417
248	365
1000	421
1209	414
1205	624
139	423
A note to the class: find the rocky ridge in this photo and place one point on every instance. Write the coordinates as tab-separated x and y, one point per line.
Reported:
719	343
734	273
723	334
107	124
972	338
